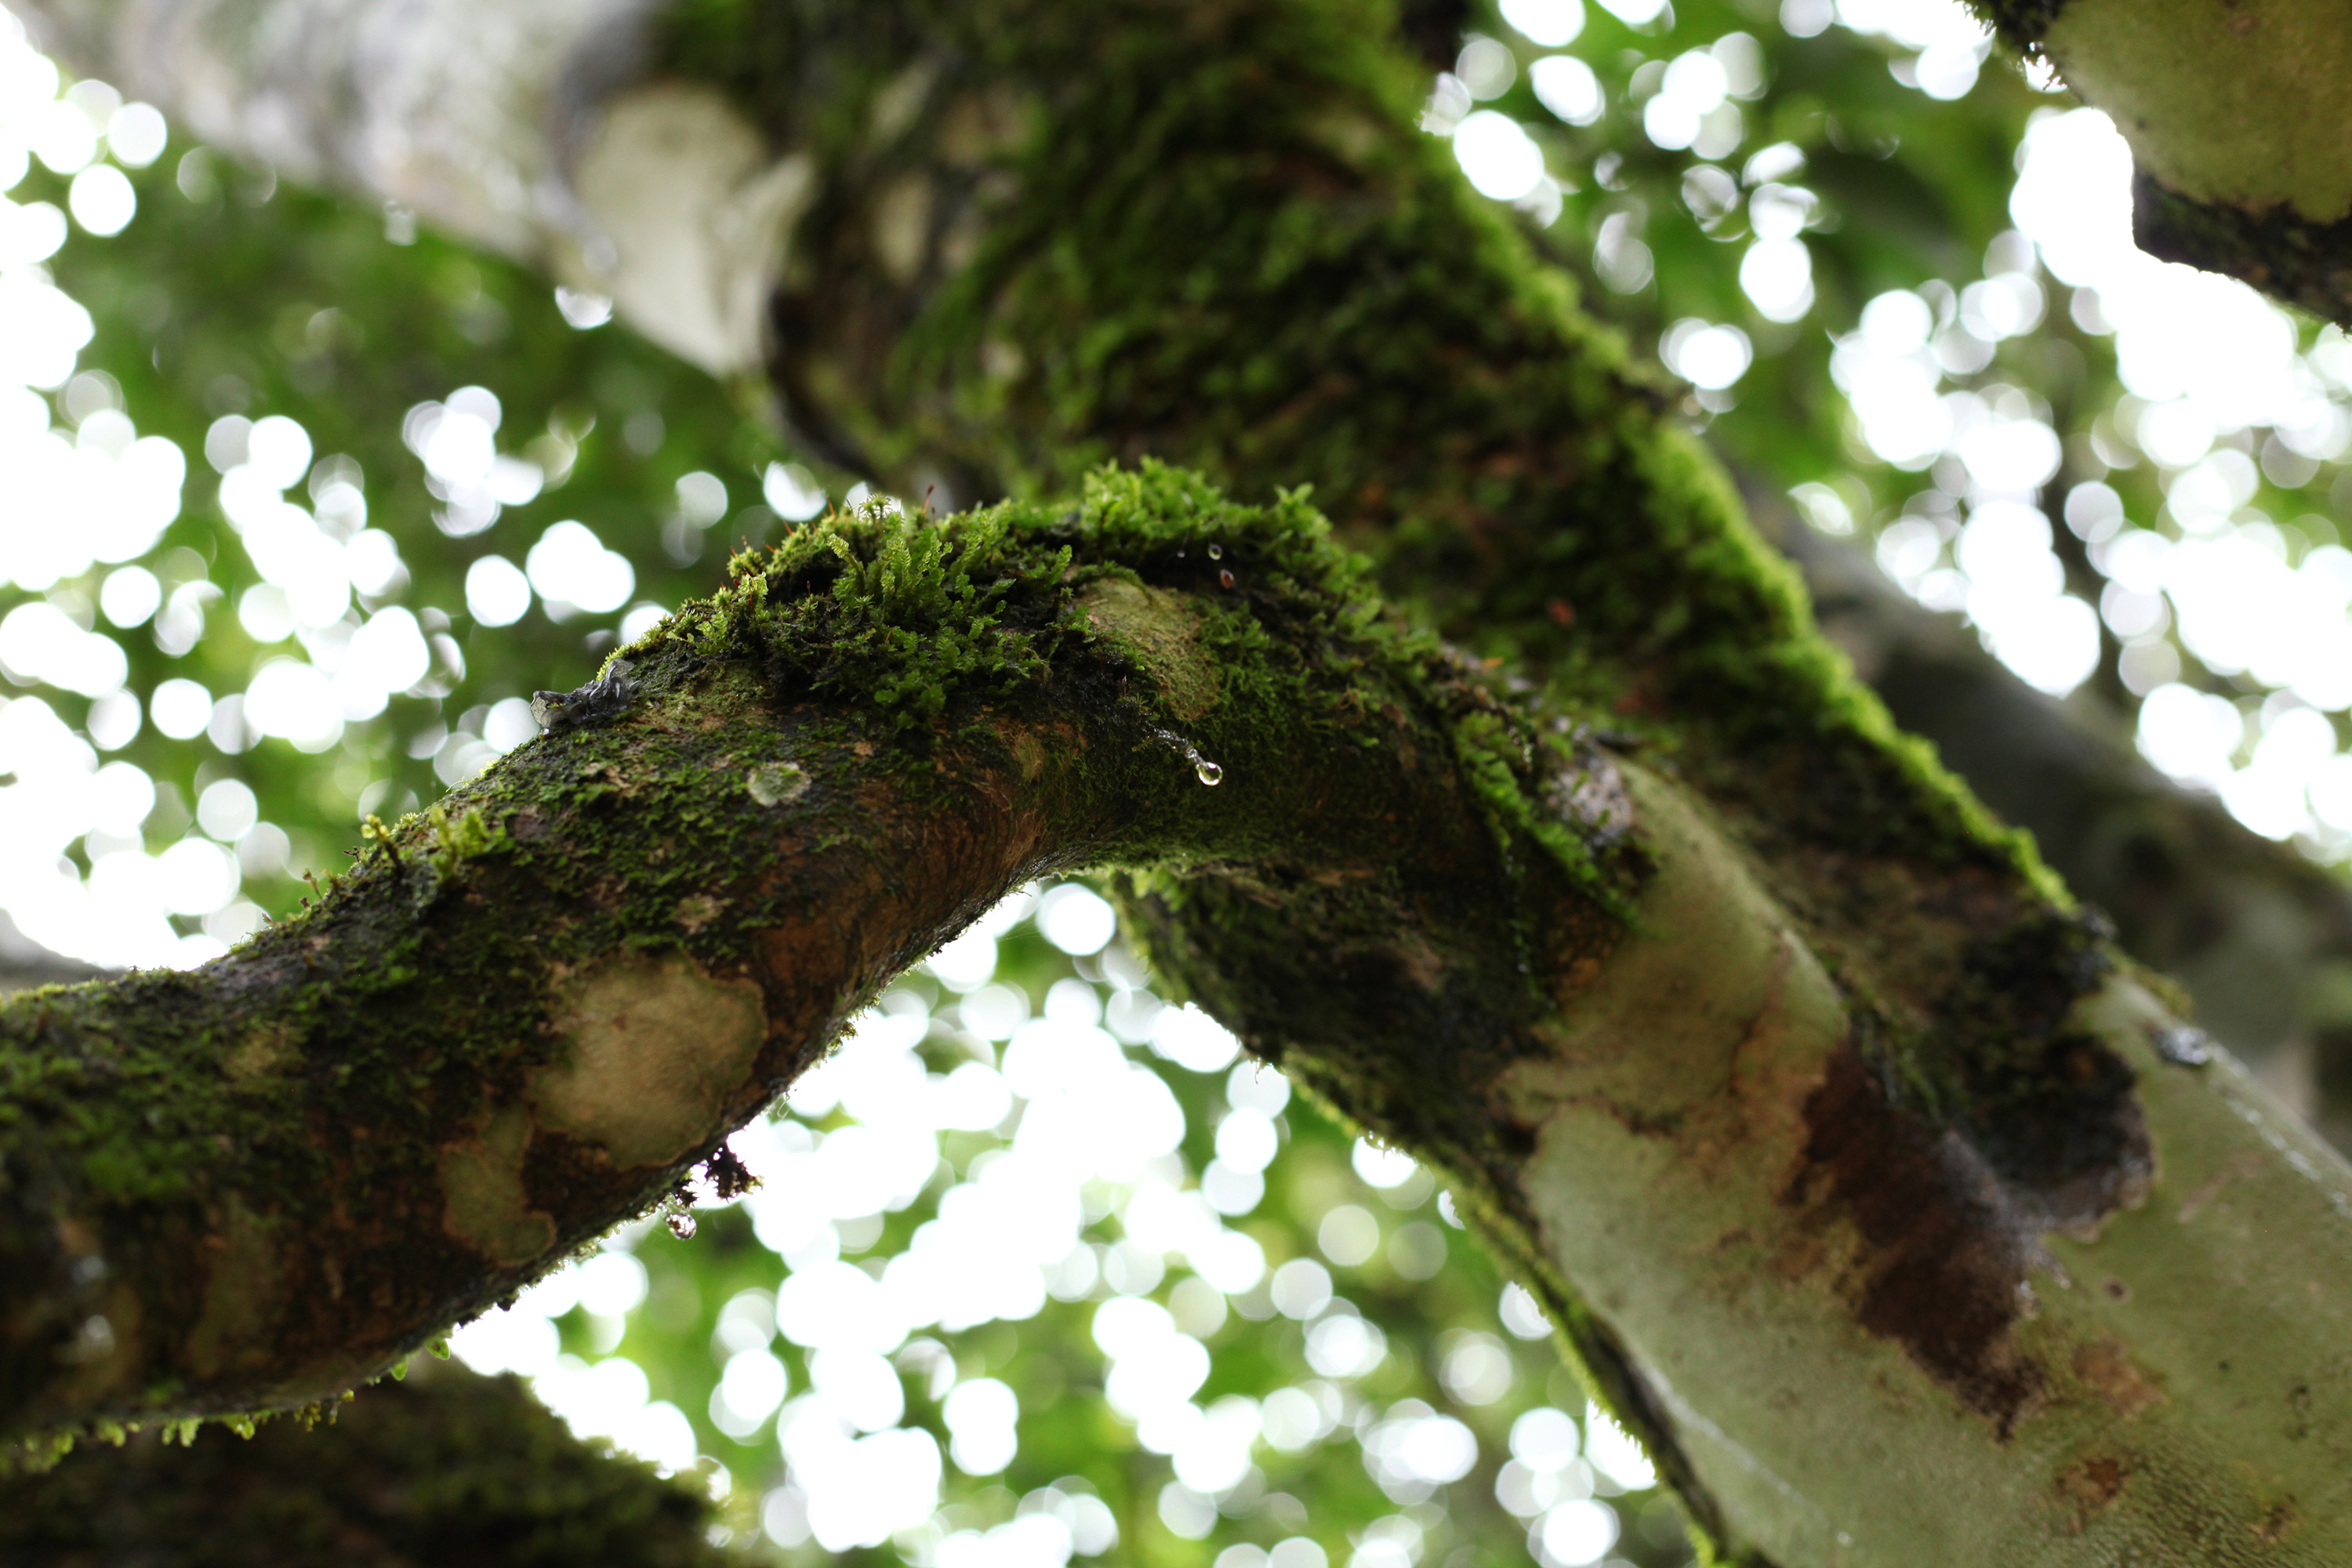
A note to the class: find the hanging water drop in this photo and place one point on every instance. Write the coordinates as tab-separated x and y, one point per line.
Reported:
682	1225
1209	772
1216	553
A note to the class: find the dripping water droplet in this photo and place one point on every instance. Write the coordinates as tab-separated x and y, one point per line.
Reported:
1224	577
1216	553
1208	772
682	1226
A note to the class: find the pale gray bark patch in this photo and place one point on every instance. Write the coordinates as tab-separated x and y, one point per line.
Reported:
517	126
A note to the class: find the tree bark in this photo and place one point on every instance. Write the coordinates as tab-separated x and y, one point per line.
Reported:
445	1467
1872	1188
2236	115
2257	931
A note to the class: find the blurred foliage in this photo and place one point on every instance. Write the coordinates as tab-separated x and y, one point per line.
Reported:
232	295
1428	1286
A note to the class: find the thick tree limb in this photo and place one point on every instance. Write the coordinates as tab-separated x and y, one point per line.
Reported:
524	1019
509	126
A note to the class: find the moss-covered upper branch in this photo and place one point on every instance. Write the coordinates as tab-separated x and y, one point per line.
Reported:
525	1016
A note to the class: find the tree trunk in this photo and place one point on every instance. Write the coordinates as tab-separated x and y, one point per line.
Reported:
1876	1191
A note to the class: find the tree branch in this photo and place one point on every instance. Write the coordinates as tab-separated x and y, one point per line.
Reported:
524	1018
445	1468
1659	1068
2260	935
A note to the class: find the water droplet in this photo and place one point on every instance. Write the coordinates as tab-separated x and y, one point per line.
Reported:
1224	577
1210	773
2185	1044
1216	553
681	1226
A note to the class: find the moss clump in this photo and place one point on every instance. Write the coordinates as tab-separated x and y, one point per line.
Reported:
919	619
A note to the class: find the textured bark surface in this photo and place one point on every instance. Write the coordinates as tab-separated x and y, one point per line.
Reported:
2260	934
1866	1180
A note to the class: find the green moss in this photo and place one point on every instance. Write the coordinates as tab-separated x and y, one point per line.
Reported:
1215	235
458	838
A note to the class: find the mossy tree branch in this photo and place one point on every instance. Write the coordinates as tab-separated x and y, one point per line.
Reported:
527	1016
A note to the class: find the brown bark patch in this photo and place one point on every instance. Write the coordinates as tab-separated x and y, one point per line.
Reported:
2088	1487
1941	1269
